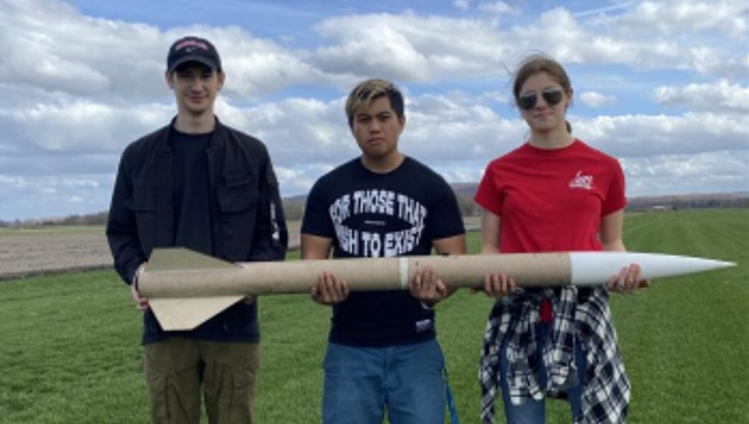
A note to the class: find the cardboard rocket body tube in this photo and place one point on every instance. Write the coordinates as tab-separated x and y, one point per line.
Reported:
183	287
361	274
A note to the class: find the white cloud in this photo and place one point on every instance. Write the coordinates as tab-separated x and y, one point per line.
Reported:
677	34
595	100
58	49
462	4
706	173
672	17
50	45
719	97
257	67
409	47
75	89
497	8
51	196
72	135
658	135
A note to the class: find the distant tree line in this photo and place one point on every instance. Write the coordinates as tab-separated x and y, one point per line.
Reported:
687	202
99	218
294	209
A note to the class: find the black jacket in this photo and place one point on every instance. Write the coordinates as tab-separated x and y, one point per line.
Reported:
246	211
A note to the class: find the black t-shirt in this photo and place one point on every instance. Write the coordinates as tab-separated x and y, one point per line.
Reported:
382	215
191	197
191	191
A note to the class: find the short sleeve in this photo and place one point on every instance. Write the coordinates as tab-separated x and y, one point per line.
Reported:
444	212
488	194
316	220
615	196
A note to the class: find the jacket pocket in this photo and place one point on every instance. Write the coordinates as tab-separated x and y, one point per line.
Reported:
143	206
238	193
238	200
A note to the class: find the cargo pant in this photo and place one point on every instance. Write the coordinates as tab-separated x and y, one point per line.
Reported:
176	370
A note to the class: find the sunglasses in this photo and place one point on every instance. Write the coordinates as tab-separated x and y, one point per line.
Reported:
551	96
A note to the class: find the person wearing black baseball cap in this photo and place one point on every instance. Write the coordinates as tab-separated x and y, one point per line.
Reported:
194	74
193	49
199	184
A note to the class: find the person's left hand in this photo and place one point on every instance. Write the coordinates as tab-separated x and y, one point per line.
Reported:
426	287
628	280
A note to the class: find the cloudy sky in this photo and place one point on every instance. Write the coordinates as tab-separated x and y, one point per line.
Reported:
662	85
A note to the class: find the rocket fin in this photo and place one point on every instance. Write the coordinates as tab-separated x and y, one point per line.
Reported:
179	258
186	313
177	314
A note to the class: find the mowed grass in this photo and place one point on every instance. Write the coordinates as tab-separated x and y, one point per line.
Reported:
69	344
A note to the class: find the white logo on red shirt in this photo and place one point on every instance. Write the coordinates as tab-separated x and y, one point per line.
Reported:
582	181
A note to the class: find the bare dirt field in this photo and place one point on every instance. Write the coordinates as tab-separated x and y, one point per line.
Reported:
26	253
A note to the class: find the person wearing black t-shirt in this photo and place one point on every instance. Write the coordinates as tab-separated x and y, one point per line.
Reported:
199	184
383	356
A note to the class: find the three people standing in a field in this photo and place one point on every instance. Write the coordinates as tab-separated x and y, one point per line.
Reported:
383	357
199	184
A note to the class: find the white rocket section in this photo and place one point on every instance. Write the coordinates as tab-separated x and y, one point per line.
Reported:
595	268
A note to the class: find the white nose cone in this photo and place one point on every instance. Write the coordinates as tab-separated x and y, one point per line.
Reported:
595	268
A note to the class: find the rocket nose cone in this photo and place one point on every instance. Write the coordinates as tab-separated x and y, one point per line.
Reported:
722	264
590	268
660	265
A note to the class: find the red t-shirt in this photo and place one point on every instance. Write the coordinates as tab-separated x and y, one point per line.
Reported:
552	200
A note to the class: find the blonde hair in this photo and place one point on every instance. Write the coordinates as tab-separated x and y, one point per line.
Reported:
365	92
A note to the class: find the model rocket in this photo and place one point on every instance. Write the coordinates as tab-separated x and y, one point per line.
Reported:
186	288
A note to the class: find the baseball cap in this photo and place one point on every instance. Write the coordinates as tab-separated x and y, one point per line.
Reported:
192	49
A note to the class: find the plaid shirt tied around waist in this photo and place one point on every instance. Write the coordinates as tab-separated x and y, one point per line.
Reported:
587	321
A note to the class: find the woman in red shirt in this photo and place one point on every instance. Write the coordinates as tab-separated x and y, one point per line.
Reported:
554	193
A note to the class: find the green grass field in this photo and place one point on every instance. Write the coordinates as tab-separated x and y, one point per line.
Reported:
69	348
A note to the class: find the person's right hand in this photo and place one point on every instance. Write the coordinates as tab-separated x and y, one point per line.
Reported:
140	302
498	285
329	289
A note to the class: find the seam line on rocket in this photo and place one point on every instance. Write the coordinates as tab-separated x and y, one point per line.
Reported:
403	271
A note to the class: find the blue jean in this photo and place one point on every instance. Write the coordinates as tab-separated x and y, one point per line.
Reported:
534	411
361	384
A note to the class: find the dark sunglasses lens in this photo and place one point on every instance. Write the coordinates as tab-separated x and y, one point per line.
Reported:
527	101
553	97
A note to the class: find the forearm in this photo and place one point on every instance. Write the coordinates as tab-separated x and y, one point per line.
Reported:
489	249
614	246
611	232
490	228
